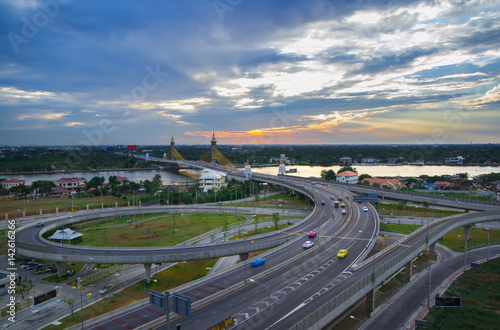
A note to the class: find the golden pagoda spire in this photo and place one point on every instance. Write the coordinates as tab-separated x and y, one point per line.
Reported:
213	141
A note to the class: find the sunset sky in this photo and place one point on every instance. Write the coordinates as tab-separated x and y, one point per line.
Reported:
254	72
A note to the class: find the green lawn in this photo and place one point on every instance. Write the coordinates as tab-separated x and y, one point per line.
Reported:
480	292
459	195
164	231
413	211
16	207
478	237
453	239
172	277
273	201
397	228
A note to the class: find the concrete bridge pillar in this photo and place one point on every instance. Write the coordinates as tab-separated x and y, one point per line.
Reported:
61	268
409	270
404	204
243	256
467	232
370	301
432	251
147	267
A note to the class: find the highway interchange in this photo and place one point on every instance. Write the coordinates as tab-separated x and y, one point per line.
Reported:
298	282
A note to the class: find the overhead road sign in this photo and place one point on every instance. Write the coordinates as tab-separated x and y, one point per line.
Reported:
371	198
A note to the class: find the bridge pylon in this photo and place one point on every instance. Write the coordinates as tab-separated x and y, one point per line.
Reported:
173	154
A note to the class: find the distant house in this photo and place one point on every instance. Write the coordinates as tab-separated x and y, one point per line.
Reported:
70	183
455	160
370	160
430	186
446	185
345	160
14	182
121	178
347	177
384	183
420	161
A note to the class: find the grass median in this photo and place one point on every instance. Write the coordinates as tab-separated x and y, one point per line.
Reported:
170	278
480	293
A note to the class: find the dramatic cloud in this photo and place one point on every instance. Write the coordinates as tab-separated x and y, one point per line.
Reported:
318	71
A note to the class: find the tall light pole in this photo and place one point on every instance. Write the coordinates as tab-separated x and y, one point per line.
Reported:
269	297
80	286
183	236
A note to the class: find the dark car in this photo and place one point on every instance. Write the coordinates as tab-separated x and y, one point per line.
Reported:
106	289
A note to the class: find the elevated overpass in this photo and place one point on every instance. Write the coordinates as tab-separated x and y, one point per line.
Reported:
31	244
369	274
432	199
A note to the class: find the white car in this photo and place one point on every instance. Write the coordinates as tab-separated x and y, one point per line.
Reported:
307	244
365	209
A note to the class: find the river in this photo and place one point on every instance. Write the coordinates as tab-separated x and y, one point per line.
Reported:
169	177
385	170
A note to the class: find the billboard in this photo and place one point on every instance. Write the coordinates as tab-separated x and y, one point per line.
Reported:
448	302
131	147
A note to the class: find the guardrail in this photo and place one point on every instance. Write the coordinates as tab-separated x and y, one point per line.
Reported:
419	194
329	311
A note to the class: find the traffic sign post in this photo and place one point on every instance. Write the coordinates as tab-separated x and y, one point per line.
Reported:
161	300
371	198
182	305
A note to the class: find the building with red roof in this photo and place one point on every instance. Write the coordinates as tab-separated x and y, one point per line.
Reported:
384	183
14	182
347	177
77	184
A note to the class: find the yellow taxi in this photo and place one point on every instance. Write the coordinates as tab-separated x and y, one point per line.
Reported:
342	254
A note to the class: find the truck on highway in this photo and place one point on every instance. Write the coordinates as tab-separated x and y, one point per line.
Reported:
336	204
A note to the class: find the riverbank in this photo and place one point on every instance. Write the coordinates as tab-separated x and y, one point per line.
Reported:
80	171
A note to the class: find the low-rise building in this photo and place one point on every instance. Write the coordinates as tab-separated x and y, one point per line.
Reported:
347	177
14	182
446	185
370	160
211	179
70	183
345	160
455	160
384	183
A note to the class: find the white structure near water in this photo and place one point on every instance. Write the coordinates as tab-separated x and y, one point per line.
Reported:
211	179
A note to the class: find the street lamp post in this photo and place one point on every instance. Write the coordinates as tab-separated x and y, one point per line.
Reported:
269	297
80	286
183	236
